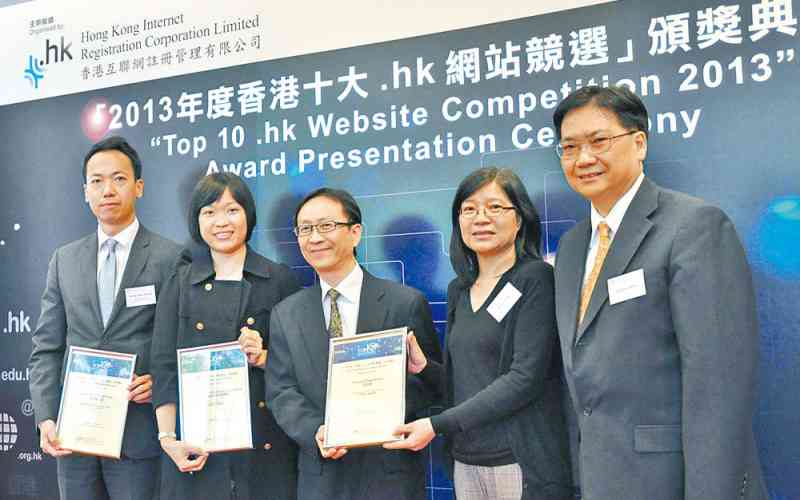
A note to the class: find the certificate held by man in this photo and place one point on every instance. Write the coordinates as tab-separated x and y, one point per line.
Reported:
366	397
214	394
94	401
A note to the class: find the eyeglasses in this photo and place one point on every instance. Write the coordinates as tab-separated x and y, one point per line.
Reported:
492	210
597	145
323	227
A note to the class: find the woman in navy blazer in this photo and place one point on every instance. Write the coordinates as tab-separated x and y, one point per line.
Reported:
221	291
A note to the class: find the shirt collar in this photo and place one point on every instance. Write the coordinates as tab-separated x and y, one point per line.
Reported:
349	287
614	217
124	237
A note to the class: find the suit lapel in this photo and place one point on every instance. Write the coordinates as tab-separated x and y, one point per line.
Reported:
314	334
371	313
137	258
635	226
88	268
571	261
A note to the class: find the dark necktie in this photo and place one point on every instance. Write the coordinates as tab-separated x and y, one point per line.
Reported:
335	324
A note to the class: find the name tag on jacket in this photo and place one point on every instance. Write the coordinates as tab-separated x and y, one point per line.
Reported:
140	296
626	286
504	301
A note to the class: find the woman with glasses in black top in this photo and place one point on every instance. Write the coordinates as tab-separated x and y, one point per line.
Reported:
503	421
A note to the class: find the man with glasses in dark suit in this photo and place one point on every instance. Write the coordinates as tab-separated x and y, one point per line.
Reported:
657	320
345	301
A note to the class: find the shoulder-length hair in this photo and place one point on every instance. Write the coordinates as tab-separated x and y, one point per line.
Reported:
526	244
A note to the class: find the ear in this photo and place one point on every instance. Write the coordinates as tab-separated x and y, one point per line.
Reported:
85	193
640	141
139	188
355	230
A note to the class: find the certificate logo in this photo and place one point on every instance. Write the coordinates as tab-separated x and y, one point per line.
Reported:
8	432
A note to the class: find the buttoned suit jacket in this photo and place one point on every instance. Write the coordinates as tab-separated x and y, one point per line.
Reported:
664	384
296	388
70	316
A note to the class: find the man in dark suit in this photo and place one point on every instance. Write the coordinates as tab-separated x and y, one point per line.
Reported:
657	320
101	293
345	301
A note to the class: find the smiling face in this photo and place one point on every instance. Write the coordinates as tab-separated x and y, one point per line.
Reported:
330	253
223	225
111	190
487	236
601	178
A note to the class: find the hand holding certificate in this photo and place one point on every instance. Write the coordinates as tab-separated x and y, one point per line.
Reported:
366	389
94	401
214	390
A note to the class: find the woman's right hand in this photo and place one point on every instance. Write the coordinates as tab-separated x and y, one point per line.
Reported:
416	358
181	453
416	435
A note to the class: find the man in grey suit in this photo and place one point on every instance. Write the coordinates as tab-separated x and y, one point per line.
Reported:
657	320
89	302
345	301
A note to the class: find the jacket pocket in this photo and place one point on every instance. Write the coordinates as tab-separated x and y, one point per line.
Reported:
657	438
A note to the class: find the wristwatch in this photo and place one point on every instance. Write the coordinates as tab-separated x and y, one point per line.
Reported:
162	435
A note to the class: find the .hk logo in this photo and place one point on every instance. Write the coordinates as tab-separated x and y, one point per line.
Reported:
34	72
53	53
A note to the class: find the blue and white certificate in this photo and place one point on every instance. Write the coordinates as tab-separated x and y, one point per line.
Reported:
366	393
214	392
94	401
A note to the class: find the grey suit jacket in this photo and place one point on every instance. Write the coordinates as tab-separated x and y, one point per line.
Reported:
664	384
70	315
296	379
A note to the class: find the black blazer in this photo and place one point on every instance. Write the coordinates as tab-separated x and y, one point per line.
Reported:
527	395
297	381
189	299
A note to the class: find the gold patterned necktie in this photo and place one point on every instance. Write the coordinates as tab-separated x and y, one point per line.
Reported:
335	325
603	244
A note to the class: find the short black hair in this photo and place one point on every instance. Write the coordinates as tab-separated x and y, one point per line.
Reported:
526	244
625	104
351	209
210	189
115	143
349	205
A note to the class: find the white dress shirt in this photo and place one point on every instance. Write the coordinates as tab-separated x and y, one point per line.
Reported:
123	250
613	219
349	298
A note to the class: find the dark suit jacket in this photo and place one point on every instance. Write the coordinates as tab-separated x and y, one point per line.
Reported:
664	384
70	315
190	298
297	381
